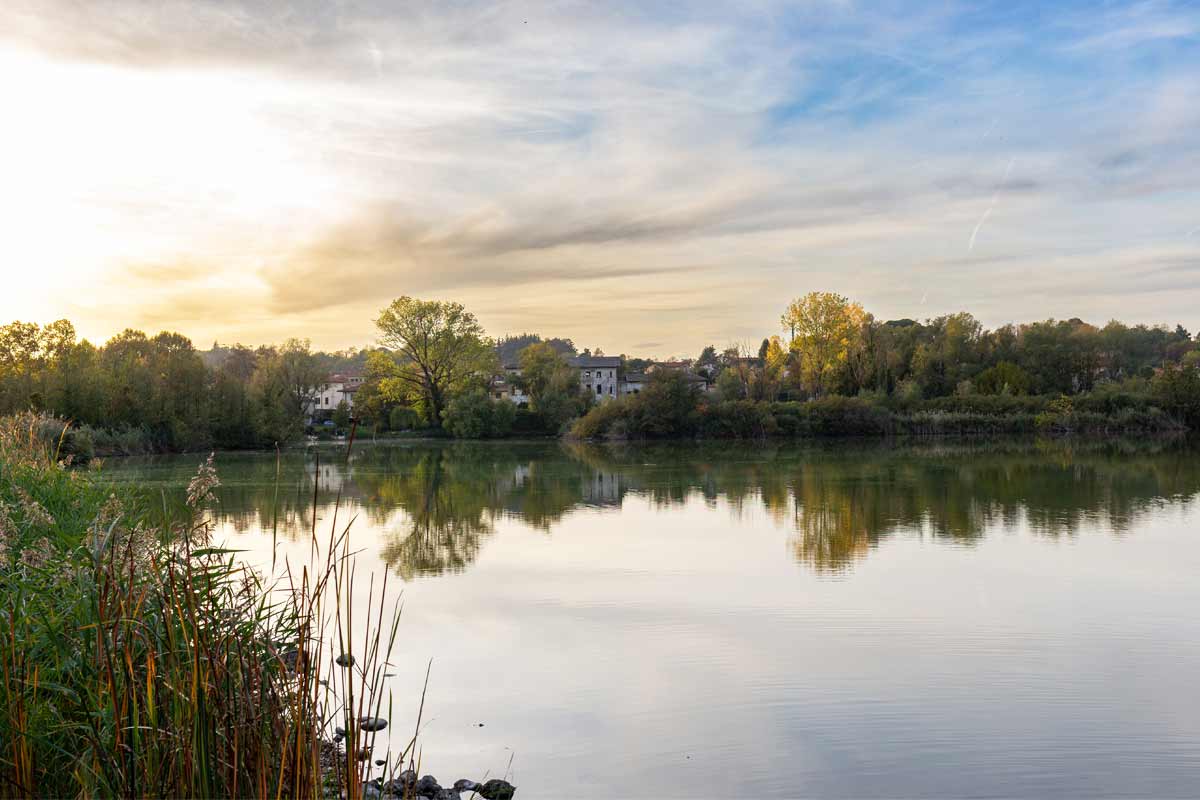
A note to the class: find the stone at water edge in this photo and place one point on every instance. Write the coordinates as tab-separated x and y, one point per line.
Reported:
465	785
427	786
372	724
496	789
402	785
344	660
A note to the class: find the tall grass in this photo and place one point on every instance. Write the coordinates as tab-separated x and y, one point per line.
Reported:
143	660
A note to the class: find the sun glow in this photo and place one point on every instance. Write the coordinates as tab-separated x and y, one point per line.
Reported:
106	167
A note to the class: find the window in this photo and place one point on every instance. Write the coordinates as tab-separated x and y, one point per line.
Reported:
610	389
598	388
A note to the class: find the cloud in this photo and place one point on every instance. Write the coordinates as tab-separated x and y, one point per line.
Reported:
619	173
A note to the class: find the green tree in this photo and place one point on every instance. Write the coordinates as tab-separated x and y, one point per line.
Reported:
440	351
475	415
553	385
284	387
341	415
1003	378
1178	390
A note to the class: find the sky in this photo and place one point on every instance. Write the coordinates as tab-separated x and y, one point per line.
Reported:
644	178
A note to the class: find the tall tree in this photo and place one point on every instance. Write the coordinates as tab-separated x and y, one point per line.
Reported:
824	326
553	385
439	348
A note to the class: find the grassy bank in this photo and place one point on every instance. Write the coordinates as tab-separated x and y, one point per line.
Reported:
142	660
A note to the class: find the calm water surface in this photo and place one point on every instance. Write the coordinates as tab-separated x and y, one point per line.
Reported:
730	620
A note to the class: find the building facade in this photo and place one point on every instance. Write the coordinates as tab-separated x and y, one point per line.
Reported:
330	394
599	376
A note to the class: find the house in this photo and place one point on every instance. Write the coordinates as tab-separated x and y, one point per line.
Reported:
503	387
633	383
330	394
682	365
599	375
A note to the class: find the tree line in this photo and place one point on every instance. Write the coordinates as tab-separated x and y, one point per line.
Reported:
434	365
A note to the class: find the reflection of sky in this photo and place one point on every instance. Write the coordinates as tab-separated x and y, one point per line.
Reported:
680	651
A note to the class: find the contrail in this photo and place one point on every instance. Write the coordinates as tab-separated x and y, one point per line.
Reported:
991	205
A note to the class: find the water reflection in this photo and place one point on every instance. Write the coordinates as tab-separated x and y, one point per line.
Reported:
436	503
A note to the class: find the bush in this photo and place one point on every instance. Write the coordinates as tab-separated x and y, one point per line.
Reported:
475	415
1005	378
1178	390
738	419
666	407
403	418
602	421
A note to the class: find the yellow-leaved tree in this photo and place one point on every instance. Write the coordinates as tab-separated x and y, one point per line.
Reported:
825	328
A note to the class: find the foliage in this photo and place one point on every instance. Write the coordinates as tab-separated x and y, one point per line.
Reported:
553	386
138	659
666	407
475	415
508	348
1178	389
341	415
402	418
139	393
824	328
439	351
1004	377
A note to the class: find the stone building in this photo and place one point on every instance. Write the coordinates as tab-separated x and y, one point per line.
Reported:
599	375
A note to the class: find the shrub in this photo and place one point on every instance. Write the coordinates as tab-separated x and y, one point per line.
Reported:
1178	390
475	415
1004	378
403	418
737	419
601	421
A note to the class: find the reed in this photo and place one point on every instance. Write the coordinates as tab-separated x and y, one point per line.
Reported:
141	659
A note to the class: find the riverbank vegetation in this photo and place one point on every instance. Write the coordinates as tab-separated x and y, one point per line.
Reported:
672	407
139	659
835	369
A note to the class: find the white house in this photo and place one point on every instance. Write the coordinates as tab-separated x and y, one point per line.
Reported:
329	395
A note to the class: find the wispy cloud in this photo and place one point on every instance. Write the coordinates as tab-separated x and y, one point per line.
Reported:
618	173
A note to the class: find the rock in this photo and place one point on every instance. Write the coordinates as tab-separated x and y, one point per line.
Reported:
339	732
363	754
496	789
464	785
402	785
369	791
446	794
345	660
372	724
381	762
427	786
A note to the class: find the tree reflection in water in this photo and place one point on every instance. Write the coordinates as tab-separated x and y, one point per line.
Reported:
438	502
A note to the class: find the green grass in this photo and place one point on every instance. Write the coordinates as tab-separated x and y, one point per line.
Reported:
142	660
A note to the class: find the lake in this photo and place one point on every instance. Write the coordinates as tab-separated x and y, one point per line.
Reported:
768	619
